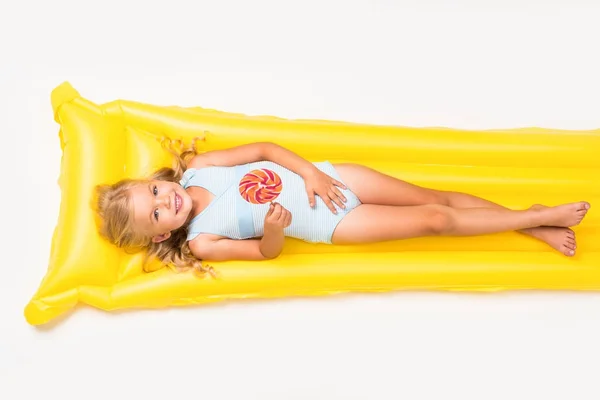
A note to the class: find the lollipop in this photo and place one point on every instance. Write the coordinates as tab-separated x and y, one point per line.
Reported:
260	186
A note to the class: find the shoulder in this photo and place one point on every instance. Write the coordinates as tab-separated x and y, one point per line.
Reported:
199	161
201	243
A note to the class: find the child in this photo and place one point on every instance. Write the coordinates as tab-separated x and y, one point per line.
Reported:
195	211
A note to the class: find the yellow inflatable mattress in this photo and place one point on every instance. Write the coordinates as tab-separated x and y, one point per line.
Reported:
516	168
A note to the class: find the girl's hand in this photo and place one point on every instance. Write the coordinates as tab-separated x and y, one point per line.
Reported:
277	217
325	186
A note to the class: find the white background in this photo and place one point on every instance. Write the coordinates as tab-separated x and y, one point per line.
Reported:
486	64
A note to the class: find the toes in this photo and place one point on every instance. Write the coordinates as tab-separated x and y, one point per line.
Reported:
568	252
581	206
584	205
570	244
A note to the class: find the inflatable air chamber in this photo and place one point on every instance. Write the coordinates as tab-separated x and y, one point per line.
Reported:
516	168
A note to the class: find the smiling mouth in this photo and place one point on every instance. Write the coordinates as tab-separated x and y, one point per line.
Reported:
178	201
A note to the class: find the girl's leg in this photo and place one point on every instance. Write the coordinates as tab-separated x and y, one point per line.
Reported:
367	184
374	187
375	223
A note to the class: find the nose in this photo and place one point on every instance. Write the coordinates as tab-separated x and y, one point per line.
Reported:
164	201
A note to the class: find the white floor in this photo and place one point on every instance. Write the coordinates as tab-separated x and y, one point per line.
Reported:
486	64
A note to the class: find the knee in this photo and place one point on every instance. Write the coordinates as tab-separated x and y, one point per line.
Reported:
440	219
439	197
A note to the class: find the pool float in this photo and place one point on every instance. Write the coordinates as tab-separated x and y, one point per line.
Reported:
513	167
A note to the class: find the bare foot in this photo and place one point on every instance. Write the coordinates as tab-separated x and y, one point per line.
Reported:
560	239
565	215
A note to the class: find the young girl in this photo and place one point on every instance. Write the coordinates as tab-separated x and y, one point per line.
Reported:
195	211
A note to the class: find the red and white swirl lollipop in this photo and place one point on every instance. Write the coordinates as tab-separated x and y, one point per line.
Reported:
260	186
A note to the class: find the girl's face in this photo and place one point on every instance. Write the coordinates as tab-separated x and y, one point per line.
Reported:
160	207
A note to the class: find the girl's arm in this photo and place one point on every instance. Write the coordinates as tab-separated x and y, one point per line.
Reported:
265	248
252	152
268	247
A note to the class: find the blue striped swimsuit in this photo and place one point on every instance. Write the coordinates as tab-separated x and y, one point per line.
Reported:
231	216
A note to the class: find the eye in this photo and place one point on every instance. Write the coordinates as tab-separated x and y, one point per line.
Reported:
156	215
155	190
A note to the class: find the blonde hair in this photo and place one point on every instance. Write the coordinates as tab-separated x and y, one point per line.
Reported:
113	207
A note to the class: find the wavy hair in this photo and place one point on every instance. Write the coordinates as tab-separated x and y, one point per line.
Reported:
114	209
